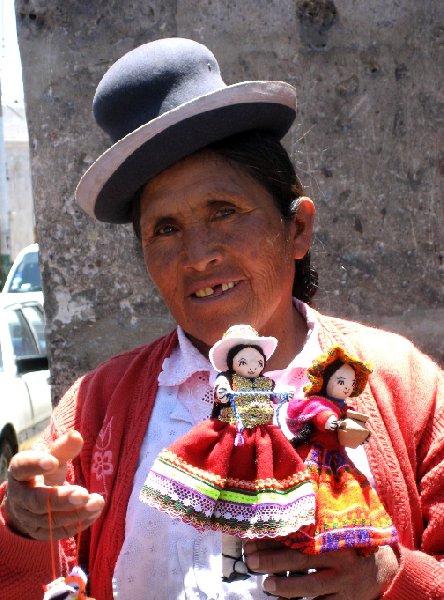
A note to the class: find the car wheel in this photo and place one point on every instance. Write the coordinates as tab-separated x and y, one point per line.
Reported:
6	453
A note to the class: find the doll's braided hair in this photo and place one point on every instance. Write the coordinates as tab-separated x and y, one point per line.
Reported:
265	159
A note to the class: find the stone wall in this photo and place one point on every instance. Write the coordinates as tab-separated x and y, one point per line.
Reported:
366	143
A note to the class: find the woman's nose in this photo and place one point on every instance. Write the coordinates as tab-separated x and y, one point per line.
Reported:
201	250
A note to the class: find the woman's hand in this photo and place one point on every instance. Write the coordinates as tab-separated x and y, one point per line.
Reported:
32	476
340	575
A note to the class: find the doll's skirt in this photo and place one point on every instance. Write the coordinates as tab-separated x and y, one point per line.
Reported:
258	489
349	513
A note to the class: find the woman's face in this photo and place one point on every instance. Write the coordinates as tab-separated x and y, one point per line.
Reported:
248	362
341	383
217	249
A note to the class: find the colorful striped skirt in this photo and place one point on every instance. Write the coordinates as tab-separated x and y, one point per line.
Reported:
260	489
349	513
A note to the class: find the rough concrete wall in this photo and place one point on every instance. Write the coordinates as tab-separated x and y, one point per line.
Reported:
366	144
98	300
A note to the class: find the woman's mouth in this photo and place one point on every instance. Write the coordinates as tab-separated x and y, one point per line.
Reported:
217	290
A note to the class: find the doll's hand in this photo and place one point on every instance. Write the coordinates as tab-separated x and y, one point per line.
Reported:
332	423
32	476
221	394
343	574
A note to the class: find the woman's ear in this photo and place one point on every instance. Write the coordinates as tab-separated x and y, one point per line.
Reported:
304	221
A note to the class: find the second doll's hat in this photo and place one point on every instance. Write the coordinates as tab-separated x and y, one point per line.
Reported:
239	335
162	102
316	371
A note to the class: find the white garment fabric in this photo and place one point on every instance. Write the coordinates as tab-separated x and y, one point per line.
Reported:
163	558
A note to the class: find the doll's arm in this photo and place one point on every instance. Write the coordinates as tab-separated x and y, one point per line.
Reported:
326	419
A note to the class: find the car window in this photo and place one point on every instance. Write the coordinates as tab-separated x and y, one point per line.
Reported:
27	276
23	341
36	323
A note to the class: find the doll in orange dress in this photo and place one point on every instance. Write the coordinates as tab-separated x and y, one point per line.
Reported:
71	587
349	513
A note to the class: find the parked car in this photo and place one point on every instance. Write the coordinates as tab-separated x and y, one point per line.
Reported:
25	393
24	276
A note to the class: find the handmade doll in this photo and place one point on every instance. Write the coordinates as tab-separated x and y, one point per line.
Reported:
71	587
236	472
348	512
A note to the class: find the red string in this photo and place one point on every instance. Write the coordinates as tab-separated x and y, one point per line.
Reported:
79	533
51	538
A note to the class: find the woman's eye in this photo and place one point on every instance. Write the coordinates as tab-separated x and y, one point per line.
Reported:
225	212
165	230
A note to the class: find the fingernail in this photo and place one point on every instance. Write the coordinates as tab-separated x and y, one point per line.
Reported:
47	463
270	585
253	561
94	504
77	500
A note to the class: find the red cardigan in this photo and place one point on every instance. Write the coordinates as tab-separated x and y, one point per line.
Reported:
111	407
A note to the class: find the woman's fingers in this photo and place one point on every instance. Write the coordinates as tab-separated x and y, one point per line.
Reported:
64	523
27	465
26	509
65	448
268	556
338	575
33	477
312	585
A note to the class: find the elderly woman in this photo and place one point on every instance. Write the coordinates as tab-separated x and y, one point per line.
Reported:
225	230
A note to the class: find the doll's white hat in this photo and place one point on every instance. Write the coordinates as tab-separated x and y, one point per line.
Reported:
234	336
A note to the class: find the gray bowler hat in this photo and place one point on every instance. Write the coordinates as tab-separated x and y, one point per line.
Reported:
160	103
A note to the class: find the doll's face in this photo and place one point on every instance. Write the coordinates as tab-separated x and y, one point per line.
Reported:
248	362
341	383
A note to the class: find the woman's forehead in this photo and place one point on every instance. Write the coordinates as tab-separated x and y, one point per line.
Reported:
204	174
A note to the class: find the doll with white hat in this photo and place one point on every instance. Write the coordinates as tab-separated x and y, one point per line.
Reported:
237	472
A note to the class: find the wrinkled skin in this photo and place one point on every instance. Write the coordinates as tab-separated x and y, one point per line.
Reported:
207	225
31	475
340	575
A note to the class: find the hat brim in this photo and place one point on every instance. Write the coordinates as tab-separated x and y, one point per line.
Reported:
218	353
106	190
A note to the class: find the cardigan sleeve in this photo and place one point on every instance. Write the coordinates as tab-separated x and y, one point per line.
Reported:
28	563
421	573
410	387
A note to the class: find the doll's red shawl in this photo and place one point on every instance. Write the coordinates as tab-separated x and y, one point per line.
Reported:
111	407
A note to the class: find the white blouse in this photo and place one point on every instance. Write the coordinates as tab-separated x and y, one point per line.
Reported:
163	558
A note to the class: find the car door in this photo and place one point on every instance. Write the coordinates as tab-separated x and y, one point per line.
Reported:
37	381
15	403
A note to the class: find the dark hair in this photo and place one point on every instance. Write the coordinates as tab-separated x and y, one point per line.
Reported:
233	351
265	159
328	372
